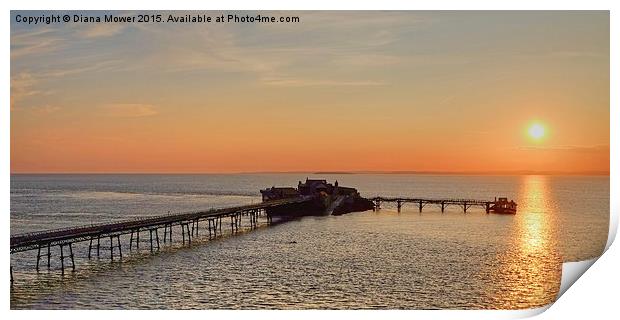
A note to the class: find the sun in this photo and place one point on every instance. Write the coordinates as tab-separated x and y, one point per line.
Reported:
536	131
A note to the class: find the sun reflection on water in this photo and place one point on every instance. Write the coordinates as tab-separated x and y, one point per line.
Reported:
535	214
530	262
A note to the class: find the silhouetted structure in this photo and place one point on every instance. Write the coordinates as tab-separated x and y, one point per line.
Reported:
327	199
498	206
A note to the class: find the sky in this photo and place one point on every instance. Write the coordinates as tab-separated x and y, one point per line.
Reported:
479	92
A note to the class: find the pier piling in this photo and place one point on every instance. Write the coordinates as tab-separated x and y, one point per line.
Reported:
90	247
38	257
71	255
120	249
131	240
49	256
62	260
98	245
151	238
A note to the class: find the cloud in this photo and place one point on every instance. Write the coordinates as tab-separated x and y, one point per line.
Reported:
129	110
95	67
294	82
99	30
38	47
27	84
34	42
22	86
44	109
279	64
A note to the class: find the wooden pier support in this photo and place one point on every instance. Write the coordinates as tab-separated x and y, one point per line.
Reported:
399	204
156	238
254	219
212	225
184	227
168	232
63	257
49	256
98	245
131	240
38	257
136	239
62	260
112	248
233	223
118	246
71	255
90	246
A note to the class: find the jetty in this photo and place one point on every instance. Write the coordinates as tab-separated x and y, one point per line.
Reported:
186	224
496	206
312	197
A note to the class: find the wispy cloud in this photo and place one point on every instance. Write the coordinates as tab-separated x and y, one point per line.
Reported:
99	30
72	70
292	82
28	84
129	110
22	86
37	42
44	109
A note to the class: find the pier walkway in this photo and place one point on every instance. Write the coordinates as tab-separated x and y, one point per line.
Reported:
94	233
187	225
465	204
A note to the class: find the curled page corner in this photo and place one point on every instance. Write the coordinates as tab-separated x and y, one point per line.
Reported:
571	271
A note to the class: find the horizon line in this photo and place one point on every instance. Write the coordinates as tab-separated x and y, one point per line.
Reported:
327	172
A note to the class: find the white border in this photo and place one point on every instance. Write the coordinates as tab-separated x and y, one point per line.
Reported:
595	294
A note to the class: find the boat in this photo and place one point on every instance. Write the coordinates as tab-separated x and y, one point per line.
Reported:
503	206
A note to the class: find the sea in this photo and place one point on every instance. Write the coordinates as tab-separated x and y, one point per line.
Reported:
381	259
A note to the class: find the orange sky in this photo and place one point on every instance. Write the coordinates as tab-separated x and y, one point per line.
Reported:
340	91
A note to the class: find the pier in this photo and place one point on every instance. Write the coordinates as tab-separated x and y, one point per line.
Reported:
107	236
465	204
310	197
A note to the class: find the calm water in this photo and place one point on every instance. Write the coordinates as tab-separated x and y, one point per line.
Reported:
379	259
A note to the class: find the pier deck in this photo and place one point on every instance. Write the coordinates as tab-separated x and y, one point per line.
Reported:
34	240
188	223
465	204
94	233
